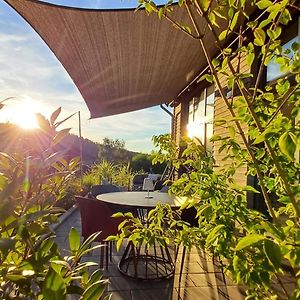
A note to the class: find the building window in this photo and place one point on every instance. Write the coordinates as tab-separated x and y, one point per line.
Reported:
273	69
291	36
201	114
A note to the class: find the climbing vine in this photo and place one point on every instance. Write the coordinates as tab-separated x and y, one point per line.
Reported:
263	133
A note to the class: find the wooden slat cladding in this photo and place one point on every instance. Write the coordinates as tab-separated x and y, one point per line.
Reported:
221	112
180	121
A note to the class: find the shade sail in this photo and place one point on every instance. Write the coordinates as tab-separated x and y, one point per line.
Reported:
119	60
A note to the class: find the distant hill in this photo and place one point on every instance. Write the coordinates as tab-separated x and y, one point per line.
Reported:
13	138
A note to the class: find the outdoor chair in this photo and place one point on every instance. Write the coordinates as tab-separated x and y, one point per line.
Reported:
161	187
103	189
158	185
95	217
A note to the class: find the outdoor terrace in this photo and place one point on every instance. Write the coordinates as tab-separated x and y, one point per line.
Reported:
201	277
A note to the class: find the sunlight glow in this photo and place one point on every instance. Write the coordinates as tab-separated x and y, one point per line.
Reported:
196	129
21	112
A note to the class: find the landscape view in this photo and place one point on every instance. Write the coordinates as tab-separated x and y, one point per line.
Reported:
150	149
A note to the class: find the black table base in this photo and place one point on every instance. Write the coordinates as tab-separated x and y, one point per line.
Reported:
155	263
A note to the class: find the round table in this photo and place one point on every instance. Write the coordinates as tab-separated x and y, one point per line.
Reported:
140	200
146	264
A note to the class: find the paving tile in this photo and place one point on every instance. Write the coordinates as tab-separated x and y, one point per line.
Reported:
190	268
223	279
183	281
201	279
209	265
288	287
207	279
201	293
196	264
119	295
120	283
112	271
154	294
231	292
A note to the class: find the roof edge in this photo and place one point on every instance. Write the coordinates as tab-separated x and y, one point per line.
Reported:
85	9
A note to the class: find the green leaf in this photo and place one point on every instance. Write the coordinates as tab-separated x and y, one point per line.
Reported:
43	122
60	135
205	4
269	96
282	86
148	7
250	58
213	235
215	62
249	240
95	290
118	215
264	4
54	287
74	240
160	13
119	243
234	20
207	77
274	34
287	145
55	115
250	188
273	253
223	34
285	17
252	24
260	37
295	46
264	23
111	238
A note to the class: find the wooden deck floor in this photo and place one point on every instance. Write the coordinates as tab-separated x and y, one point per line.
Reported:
201	278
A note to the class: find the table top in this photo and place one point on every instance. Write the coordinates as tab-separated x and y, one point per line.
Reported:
138	199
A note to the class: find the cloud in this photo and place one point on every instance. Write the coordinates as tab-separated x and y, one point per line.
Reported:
29	69
11	38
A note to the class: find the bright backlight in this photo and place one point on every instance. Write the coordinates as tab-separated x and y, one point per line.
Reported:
21	112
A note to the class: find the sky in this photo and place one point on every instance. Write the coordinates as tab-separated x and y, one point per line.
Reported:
31	74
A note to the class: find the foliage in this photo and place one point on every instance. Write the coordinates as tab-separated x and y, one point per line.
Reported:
14	138
254	246
123	176
141	161
31	265
114	151
73	188
120	175
133	229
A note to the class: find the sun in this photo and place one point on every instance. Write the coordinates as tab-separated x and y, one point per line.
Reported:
26	120
22	112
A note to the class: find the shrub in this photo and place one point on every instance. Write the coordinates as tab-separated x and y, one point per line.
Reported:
123	176
31	265
120	175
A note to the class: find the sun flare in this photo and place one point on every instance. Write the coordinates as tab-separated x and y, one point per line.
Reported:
26	120
22	112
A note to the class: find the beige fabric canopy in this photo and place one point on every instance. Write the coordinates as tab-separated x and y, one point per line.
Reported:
119	60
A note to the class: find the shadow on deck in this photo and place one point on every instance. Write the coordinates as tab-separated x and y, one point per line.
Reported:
201	278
